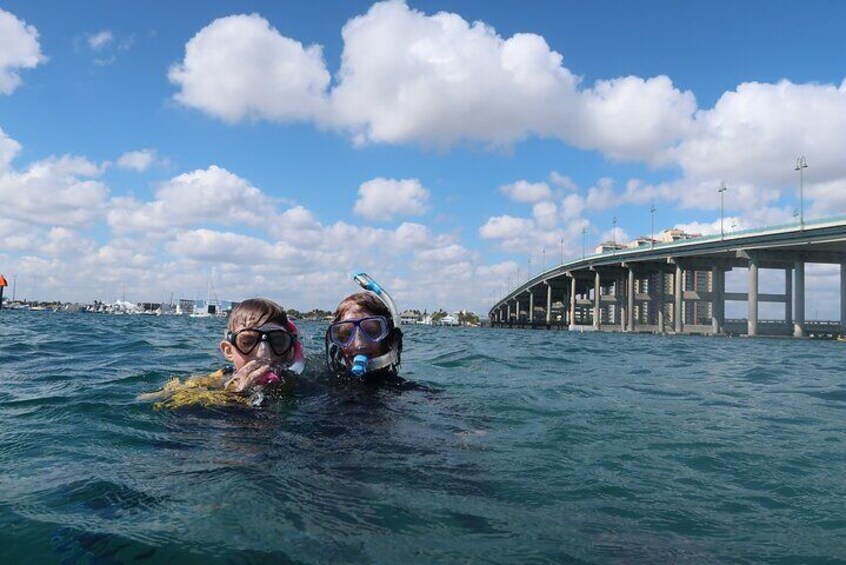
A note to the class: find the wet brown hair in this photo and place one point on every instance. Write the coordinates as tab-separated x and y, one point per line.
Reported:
365	301
256	312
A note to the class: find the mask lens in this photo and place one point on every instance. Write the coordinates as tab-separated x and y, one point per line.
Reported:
247	340
374	328
341	333
280	341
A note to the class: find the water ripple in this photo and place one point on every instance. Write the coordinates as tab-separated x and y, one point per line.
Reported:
538	447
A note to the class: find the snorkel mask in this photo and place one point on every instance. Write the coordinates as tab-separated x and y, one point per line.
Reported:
374	328
273	338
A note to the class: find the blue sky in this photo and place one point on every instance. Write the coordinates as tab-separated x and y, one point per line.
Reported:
275	146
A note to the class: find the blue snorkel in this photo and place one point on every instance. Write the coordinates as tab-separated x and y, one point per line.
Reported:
359	365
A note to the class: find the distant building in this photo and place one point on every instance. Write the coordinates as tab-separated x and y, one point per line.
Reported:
448	320
608	246
409	317
642	241
675	234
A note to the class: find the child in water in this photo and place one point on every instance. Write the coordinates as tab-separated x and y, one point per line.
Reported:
265	351
363	340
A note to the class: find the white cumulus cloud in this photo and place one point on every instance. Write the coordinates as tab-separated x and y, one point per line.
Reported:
437	80
381	199
524	191
634	118
239	67
212	195
505	227
755	133
210	245
138	161
9	149
59	191
19	49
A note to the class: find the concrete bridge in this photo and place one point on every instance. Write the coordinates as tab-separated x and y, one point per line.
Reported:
679	287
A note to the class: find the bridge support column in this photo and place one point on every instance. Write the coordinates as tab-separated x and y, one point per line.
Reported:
597	312
531	307
548	304
842	297
788	296
718	306
799	299
661	292
678	294
517	306
572	315
620	301
630	296
752	303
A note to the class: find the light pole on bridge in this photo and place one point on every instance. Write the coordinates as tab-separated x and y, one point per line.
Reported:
801	165
614	235
722	191
561	249
583	242
652	226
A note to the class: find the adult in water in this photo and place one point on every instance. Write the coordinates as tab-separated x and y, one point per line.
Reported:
364	341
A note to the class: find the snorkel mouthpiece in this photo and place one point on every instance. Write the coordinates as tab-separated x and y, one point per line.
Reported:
268	378
359	367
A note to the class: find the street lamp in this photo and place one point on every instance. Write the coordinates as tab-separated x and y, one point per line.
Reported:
801	165
722	191
543	258
652	226
529	268
614	235
583	242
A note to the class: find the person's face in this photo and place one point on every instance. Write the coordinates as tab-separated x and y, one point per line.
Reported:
251	347
360	345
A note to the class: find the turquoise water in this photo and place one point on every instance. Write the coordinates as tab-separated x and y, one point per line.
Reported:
537	447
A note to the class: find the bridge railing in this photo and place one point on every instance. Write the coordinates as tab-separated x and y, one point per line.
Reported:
776	322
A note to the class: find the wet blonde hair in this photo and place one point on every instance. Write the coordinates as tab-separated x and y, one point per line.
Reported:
256	312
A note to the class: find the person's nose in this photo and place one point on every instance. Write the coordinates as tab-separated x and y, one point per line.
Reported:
358	341
263	350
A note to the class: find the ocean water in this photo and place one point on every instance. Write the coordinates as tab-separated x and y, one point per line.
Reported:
536	447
